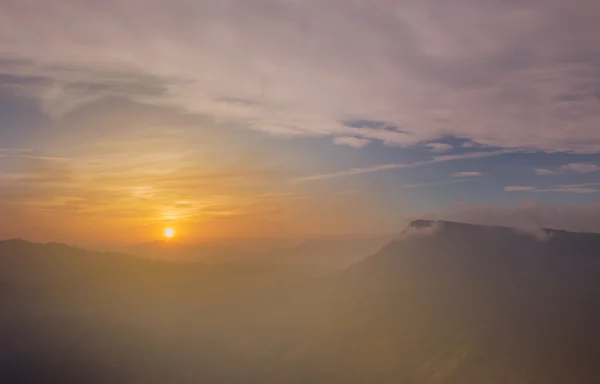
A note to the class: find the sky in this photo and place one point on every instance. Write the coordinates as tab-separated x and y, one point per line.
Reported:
288	118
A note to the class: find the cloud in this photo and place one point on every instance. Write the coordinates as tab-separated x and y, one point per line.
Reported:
538	233
574	188
442	182
386	167
421	231
39	170
571	188
580	168
543	171
6	152
518	188
476	155
570	168
353	142
149	188
467	174
439	147
303	68
527	214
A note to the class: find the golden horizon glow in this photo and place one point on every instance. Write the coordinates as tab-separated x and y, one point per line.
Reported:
169	233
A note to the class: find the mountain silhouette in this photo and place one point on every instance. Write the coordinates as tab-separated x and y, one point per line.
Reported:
316	256
444	302
493	304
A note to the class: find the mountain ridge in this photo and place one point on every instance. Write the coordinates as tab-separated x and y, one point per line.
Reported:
460	304
428	223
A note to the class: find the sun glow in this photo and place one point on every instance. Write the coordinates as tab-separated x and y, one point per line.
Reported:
169	232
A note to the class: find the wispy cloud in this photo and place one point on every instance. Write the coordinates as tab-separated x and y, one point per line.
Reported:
433	183
467	174
386	167
477	155
303	68
114	191
29	154
358	171
570	168
439	147
574	188
518	188
580	168
571	188
353	142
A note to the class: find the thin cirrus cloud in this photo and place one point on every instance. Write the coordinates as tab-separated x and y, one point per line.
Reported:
353	142
518	188
439	147
580	168
569	168
433	183
569	188
302	68
467	174
386	167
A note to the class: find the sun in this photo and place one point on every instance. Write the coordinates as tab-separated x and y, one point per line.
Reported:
169	232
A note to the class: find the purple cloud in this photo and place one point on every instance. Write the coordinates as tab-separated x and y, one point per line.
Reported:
571	188
439	147
467	174
391	166
580	168
303	68
518	188
570	168
353	142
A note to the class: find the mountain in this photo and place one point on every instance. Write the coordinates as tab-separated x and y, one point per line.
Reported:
69	315
483	304
443	303
316	256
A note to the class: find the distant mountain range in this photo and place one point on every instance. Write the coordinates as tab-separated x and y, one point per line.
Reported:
444	302
320	256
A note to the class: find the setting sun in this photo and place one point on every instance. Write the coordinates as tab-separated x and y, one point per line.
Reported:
169	233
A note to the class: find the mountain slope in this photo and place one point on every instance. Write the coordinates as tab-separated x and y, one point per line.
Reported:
484	303
444	303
